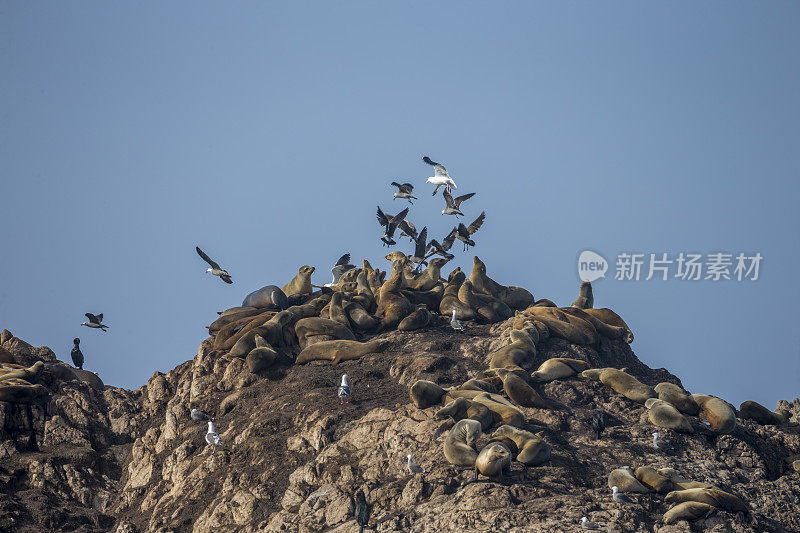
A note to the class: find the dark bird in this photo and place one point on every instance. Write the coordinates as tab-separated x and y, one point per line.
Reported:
390	223
77	355
362	511
215	269
598	424
199	416
442	249
94	321
404	191
340	268
407	229
420	248
440	177
463	232
453	204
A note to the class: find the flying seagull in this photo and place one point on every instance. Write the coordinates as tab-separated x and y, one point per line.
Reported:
344	389
199	416
212	437
440	177
619	497
454	323
95	321
420	248
340	268
215	269
407	229
413	467
598	424
587	524
463	233
659	444
442	249
77	354
453	204
390	223
404	191
362	511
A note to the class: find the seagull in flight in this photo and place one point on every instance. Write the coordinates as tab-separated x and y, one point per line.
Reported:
404	191
95	321
463	233
413	467
340	268
440	177
344	389
454	322
420	248
390	223
215	269
442	249
407	229
453	204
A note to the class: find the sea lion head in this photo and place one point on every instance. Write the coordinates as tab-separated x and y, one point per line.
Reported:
479	266
453	273
394	256
439	262
498	452
306	270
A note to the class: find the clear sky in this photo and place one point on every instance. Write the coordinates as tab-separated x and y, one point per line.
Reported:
268	132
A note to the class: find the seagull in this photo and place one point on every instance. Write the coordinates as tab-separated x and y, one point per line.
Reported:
212	437
659	444
455	324
95	321
619	497
463	233
404	191
77	355
215	269
340	268
442	249
587	524
344	389
598	424
407	229
440	177
420	248
200	416
413	467
453	204
390	223
362	511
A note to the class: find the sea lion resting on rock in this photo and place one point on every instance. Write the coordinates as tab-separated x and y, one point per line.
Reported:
762	415
450	299
627	385
393	307
230	334
585	299
565	324
262	356
559	368
301	283
416	320
336	309
625	479
268	296
717	498
663	414
431	298
519	353
677	397
519	391
310	327
272	331
486	307
514	297
425	393
533	450
458	446
16	384
360	318
339	350
493	460
650	477
611	318
462	408
720	415
681	483
688	511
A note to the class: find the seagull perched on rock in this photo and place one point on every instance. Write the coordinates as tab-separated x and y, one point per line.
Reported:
659	444
440	177
390	223
212	437
413	467
588	524
95	321
598	424
455	324
200	416
215	269
452	205
619	497
77	354
362	511
340	268
463	233
344	389
404	191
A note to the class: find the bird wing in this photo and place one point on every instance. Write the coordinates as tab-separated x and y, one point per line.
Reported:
343	260
449	240
93	319
383	220
399	216
100	318
207	259
430	161
448	198
463	231
457	201
476	224
408	187
421	247
400	187
408	228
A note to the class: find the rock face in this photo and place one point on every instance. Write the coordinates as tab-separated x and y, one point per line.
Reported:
89	457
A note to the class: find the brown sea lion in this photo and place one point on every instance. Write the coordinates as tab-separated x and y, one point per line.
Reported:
625	479
232	332
360	318
418	319
677	397
262	356
519	391
431	298
514	297
649	476
339	350
425	393
493	461
585	299
483	313
457	409
663	414
564	325
393	307
301	283
762	415
336	309
450	299
715	497
308	327
627	385
519	353
610	317
478	384
459	445
429	277
17	385
559	368
533	450
719	413
272	331
503	411
688	511
681	483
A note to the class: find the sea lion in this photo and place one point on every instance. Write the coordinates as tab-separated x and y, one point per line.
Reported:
533	450
649	476
627	385
493	460
432	298
393	307
457	409
585	299
481	413
268	296
762	415
362	285
308	327
663	414
718	412
272	331
688	511
522	321
478	384
450	299
484	313
503	411
559	368
262	356
625	479
681	483
301	283
339	350
519	353
606	330
416	320
715	497
229	334
610	317
225	319
677	397
514	297
336	309
592	374
17	384
360	318
408	275
565	325
425	393
519	391
458	446
429	277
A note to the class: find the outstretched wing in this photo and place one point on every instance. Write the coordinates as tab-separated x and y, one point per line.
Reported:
448	198
463	197
448	241
383	220
93	319
430	161
343	260
408	228
477	223
421	247
207	259
408	187
399	216
100	318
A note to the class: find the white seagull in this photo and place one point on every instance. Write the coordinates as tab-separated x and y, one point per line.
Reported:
659	444
212	437
456	325
619	497
344	389
215	269
440	177
340	268
588	524
413	467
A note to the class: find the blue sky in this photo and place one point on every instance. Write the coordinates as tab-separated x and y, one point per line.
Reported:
267	133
